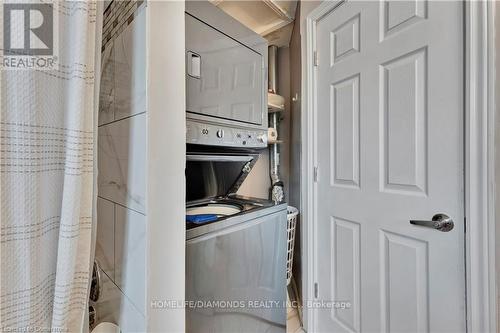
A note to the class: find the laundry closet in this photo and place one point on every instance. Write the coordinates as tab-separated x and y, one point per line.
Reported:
234	150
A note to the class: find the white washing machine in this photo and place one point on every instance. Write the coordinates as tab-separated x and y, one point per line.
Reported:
235	251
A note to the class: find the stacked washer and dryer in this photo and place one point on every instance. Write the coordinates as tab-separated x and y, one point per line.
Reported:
235	245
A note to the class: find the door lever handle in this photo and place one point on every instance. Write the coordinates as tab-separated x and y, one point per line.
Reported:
441	222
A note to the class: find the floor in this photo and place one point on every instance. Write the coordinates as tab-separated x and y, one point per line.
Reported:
292	321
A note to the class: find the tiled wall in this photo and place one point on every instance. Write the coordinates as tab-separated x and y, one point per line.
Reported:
117	16
121	220
120	250
123	68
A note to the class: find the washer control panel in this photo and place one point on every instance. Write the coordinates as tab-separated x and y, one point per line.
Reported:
217	135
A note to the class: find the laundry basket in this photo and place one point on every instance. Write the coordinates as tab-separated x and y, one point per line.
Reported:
292	213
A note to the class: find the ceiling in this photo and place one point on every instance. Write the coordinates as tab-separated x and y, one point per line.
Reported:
272	19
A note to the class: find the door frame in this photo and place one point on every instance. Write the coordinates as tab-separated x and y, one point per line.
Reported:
479	164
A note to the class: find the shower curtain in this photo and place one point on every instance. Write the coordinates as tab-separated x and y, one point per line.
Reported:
47	126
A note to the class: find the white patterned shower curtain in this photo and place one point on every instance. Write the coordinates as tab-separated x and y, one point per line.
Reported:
48	123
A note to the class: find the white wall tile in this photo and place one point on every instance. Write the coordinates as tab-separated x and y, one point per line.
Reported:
122	162
104	249
130	319
113	306
130	255
130	68
107	86
108	305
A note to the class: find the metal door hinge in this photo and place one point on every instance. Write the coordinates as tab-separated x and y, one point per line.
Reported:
315	57
316	290
315	174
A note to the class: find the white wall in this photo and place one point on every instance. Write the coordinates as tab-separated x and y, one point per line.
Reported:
305	8
165	164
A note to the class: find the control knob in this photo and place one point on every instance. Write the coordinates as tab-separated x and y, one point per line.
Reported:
220	134
262	138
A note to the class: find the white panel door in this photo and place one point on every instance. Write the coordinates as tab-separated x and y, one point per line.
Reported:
389	133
